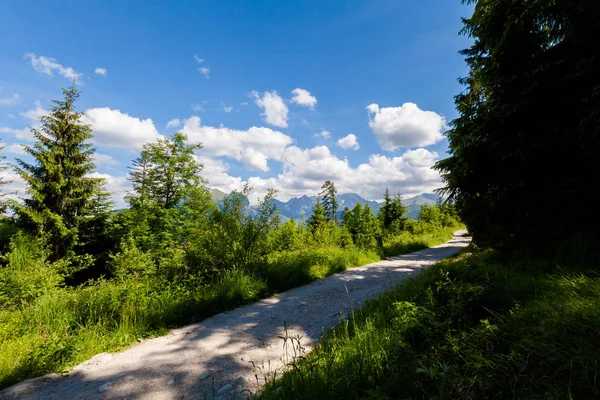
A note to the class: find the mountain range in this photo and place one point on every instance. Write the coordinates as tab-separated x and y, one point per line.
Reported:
300	208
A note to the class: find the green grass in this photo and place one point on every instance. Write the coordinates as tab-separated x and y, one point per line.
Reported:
407	243
65	327
475	326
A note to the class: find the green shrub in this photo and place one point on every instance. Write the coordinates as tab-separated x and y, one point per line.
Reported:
27	274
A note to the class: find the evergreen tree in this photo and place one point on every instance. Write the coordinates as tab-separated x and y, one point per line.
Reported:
527	57
62	195
391	214
318	220
329	201
3	182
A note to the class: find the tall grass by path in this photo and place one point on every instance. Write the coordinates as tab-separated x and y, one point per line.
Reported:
65	327
471	327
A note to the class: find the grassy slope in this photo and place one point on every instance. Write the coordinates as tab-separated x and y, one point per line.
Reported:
65	328
474	326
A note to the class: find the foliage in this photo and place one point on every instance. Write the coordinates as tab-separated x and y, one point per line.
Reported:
78	278
28	274
3	182
62	196
363	226
317	222
475	326
392	214
330	203
59	327
527	57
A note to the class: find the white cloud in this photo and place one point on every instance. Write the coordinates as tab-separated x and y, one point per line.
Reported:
254	146
348	142
305	170
198	59
303	97
117	186
275	110
225	108
174	123
204	71
116	129
34	114
17	188
101	71
15	148
305	122
323	134
48	66
24	133
215	172
10	100
405	126
244	103
105	160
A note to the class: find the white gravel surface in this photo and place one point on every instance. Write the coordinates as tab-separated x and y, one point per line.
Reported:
228	356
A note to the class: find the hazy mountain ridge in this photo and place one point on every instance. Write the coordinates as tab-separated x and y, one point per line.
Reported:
300	208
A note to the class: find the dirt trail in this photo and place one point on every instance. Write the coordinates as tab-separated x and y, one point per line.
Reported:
213	359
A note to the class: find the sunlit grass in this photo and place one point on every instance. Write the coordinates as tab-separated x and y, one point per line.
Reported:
470	327
65	327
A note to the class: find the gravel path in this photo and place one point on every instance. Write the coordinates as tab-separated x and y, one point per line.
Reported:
228	355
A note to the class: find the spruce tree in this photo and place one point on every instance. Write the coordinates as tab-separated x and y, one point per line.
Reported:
3	182
391	214
63	198
526	58
330	203
318	219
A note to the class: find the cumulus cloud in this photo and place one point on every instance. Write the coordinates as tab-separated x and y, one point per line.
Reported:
405	126
48	66
24	133
323	134
34	114
253	147
15	148
305	170
198	59
10	100
275	110
174	123
303	97
215	171
17	188
101	71
113	128
103	160
348	142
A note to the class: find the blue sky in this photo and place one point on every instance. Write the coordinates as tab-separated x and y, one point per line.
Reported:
282	94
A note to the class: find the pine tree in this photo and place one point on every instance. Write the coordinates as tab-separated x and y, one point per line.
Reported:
391	214
318	219
330	203
3	182
526	57
62	195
